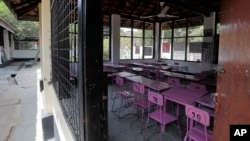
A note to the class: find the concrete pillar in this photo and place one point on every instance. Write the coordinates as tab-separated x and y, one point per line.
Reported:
115	38
6	43
12	46
209	24
157	41
46	54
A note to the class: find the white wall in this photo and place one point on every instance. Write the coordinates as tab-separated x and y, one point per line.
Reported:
22	54
63	129
50	99
115	40
6	43
12	46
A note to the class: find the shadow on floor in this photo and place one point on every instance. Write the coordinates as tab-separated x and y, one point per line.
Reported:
120	129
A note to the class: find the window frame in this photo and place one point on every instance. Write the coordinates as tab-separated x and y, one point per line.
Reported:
109	37
172	38
132	37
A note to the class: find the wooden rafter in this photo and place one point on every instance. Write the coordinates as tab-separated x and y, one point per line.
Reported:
135	7
21	4
24	10
188	7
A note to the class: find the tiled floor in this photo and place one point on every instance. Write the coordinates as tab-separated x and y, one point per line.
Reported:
120	130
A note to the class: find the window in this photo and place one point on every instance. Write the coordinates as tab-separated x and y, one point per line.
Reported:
195	40
166	36
194	49
73	36
218	28
183	40
25	45
125	39
106	38
148	40
137	39
179	40
137	43
64	56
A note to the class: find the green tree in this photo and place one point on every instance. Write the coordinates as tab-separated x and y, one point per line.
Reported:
23	28
106	43
106	48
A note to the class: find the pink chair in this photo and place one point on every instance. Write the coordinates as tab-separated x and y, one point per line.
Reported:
141	101
112	77
158	114
197	86
173	81
195	131
159	75
122	94
147	73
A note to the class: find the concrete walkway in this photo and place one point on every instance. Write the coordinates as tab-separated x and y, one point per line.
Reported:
20	103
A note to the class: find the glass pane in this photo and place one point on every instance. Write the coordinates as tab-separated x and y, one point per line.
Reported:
218	28
194	49
137	32
179	49
166	30
179	32
106	49
149	28
125	48
137	28
137	48
166	49
180	28
148	52
148	48
125	32
125	29
195	31
105	30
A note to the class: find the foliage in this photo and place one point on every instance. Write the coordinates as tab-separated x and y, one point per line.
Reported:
106	48
23	28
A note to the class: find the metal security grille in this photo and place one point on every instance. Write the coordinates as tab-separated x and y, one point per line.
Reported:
64	50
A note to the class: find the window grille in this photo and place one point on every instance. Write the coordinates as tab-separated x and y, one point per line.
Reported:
64	53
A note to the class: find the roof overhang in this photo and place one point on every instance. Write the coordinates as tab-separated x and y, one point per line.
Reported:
27	10
7	26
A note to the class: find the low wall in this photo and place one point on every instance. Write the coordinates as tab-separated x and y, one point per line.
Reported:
22	54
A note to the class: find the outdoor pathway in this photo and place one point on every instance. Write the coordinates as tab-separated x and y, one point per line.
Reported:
20	103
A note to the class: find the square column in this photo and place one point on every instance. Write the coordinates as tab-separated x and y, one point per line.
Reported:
115	38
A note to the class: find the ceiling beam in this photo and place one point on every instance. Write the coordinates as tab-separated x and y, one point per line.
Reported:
28	18
123	5
145	4
133	10
21	4
24	10
188	7
111	5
